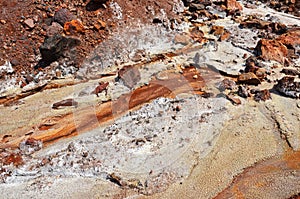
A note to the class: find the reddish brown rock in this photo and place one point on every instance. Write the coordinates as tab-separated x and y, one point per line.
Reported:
261	95
291	38
261	73
271	50
197	35
257	23
248	78
13	158
279	49
67	102
226	35
234	100
217	30
102	87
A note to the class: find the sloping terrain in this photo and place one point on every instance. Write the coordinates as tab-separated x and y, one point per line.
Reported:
150	99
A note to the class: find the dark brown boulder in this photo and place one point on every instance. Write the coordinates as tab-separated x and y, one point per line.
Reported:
56	46
62	16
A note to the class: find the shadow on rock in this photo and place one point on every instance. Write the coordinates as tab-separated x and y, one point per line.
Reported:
55	47
94	5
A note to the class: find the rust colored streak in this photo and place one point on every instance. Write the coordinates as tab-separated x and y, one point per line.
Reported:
86	119
261	177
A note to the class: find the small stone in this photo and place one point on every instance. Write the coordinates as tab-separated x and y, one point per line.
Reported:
73	26
248	78
243	92
182	38
67	102
196	6
14	62
261	73
227	84
55	28
196	34
29	23
226	35
289	87
2	21
234	100
195	76
217	30
101	87
62	16
262	95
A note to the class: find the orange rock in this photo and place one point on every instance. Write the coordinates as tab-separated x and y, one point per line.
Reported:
248	78
225	35
217	30
272	50
73	26
15	159
100	25
292	38
197	35
233	5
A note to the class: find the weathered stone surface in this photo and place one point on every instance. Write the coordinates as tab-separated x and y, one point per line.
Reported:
291	38
55	46
183	39
289	87
62	16
129	75
29	23
54	29
248	78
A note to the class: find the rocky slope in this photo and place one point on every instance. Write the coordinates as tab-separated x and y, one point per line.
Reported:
150	99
